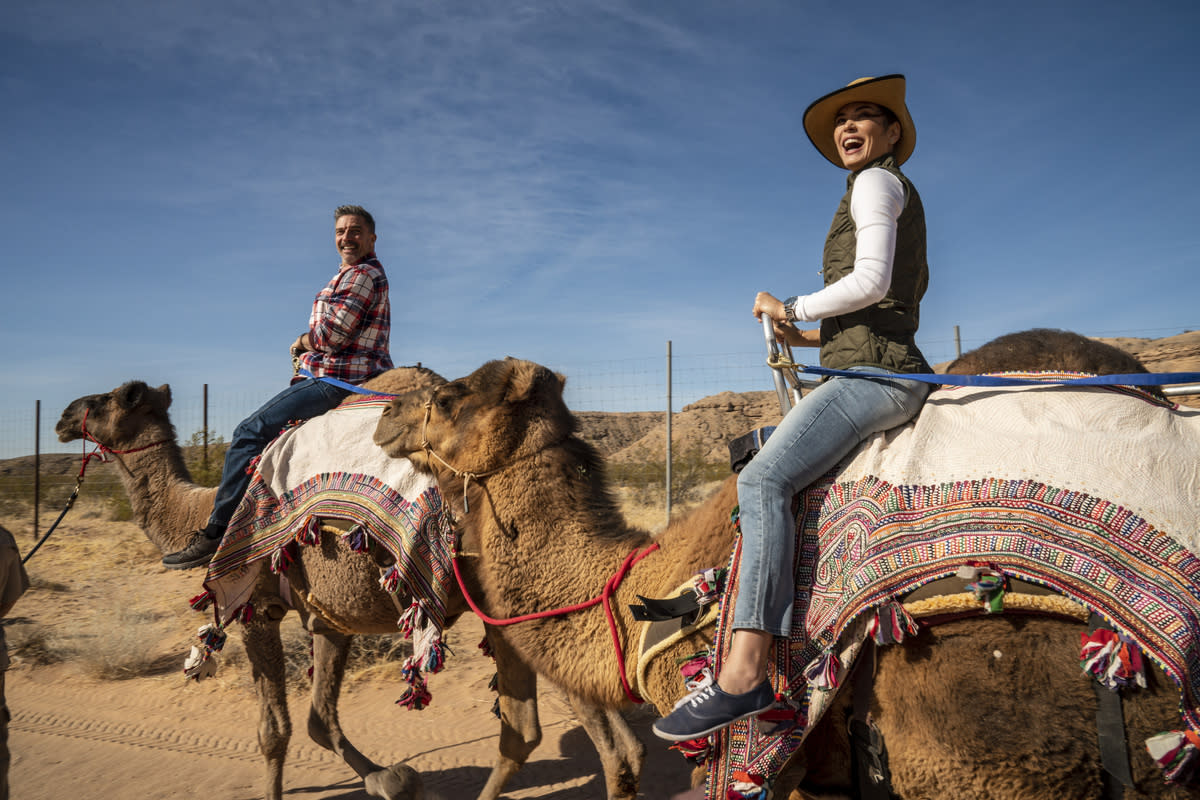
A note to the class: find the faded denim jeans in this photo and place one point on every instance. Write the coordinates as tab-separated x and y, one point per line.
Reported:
815	435
300	401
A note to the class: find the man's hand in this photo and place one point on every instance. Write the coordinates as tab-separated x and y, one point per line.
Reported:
300	345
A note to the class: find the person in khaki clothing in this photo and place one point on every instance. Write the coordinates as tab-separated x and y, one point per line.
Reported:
13	583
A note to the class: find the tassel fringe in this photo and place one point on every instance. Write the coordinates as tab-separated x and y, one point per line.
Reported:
746	786
696	751
357	540
1112	659
311	533
390	580
822	671
202	661
281	559
417	696
891	624
1177	752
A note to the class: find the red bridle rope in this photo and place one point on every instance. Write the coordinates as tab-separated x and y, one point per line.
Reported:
610	587
102	450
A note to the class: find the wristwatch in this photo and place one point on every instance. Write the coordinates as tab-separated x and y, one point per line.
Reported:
789	307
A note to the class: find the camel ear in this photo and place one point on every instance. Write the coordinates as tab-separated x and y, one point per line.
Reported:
164	396
527	380
131	394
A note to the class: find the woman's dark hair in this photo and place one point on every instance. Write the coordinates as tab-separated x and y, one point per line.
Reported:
359	211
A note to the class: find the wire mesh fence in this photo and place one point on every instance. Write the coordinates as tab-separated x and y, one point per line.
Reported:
33	460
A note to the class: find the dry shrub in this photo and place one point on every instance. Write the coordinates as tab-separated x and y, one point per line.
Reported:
115	646
374	657
108	647
640	487
378	657
35	644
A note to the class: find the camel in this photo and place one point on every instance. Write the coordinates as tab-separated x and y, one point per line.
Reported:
543	532
132	420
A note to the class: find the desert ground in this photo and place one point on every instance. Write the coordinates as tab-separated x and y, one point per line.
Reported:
101	709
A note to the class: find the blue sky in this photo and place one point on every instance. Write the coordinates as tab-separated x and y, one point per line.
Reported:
570	182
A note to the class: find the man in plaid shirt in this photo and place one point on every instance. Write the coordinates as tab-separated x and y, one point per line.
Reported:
346	341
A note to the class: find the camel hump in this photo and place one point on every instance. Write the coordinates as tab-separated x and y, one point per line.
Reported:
402	380
1046	350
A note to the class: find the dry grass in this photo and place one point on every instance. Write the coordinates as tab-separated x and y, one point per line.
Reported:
645	506
98	600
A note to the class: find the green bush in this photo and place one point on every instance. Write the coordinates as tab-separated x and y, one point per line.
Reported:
690	474
205	474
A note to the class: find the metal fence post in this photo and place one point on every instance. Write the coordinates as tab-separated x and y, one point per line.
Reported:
37	463
668	431
205	428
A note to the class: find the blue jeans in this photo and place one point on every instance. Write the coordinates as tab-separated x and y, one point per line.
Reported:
813	437
302	400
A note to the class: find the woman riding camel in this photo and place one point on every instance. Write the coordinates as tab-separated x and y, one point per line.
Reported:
875	275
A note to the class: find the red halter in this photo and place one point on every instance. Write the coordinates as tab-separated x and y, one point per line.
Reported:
610	587
102	450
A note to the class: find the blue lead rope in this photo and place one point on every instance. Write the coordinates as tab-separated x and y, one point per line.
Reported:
342	384
1133	379
1128	379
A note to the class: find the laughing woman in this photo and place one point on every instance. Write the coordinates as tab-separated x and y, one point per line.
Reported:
875	275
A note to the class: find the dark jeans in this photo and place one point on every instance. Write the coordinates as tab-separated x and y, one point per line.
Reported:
300	401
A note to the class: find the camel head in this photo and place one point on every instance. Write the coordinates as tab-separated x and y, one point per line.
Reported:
121	418
503	411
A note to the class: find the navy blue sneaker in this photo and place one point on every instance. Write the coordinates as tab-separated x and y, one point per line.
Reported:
711	709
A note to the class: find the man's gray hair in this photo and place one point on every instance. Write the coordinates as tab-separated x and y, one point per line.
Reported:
355	211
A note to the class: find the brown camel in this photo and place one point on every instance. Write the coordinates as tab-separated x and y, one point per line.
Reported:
344	587
995	707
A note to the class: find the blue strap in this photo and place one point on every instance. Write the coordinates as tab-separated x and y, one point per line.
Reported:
342	384
1134	379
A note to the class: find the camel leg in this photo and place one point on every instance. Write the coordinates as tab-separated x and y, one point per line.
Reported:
330	651
265	652
621	752
520	729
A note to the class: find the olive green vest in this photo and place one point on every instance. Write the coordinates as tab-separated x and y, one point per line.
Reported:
882	334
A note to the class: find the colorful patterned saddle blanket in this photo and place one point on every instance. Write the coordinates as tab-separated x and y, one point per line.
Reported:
1090	492
329	470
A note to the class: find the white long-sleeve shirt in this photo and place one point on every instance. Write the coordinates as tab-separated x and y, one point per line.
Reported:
875	205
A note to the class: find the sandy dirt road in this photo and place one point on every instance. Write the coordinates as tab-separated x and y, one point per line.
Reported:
165	737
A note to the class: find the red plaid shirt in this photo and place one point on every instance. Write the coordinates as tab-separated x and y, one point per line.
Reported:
350	324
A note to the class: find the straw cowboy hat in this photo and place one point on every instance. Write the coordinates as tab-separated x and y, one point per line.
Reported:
887	91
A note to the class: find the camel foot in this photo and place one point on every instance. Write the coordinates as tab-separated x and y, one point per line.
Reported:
397	782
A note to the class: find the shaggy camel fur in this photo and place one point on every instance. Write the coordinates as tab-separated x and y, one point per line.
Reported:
542	532
1046	349
344	585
